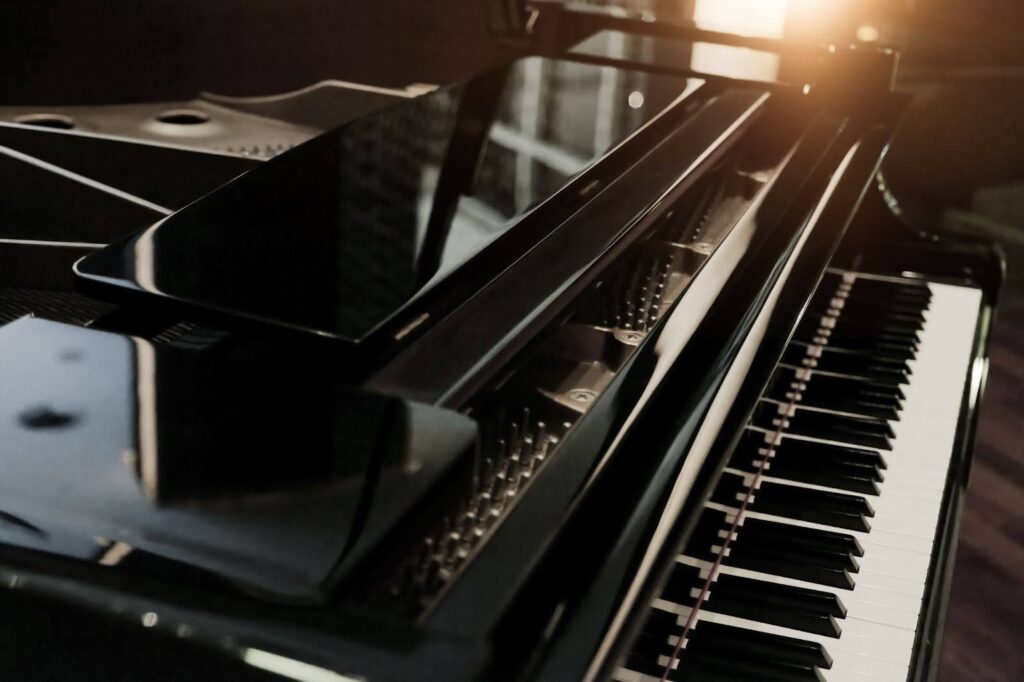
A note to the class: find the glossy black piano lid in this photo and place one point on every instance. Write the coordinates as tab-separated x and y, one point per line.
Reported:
342	233
700	59
227	459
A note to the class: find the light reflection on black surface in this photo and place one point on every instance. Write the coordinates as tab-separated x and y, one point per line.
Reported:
255	469
338	235
719	60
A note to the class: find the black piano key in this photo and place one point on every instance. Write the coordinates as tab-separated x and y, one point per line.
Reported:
644	656
700	666
790	565
821	554
872	366
731	641
807	468
873	341
841	510
824	474
843	428
803	552
877	332
880	287
849	395
682	580
885	289
653	642
851	387
841	548
864	329
897	348
825	299
643	663
813	537
860	311
705	535
855	308
731	490
861	300
877	347
823	563
767	602
904	316
885	393
835	393
855	305
828	508
839	454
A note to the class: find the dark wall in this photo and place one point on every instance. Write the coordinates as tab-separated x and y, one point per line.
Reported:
95	51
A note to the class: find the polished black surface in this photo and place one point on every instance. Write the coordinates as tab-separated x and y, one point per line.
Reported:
227	458
556	590
699	59
339	235
170	177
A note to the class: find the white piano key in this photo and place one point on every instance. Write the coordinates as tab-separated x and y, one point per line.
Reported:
876	652
872	538
883	609
850	667
861	594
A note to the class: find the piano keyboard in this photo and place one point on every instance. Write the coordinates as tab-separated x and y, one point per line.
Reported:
809	561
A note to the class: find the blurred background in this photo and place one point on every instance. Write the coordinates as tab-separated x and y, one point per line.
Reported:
956	164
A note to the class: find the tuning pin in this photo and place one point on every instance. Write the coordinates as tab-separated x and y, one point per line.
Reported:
433	579
452	542
485	506
513	433
542	432
497	486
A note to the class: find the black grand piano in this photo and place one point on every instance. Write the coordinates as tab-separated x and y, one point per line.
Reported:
617	361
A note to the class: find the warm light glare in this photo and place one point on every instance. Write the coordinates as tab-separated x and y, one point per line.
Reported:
766	18
867	33
635	99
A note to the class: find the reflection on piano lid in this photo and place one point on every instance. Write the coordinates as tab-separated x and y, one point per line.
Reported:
225	456
699	59
397	203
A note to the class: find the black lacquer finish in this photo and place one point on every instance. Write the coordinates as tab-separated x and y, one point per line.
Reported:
698	59
353	229
645	500
44	202
968	264
608	318
217	455
170	177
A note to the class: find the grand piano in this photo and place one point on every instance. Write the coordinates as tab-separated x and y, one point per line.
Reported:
616	361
